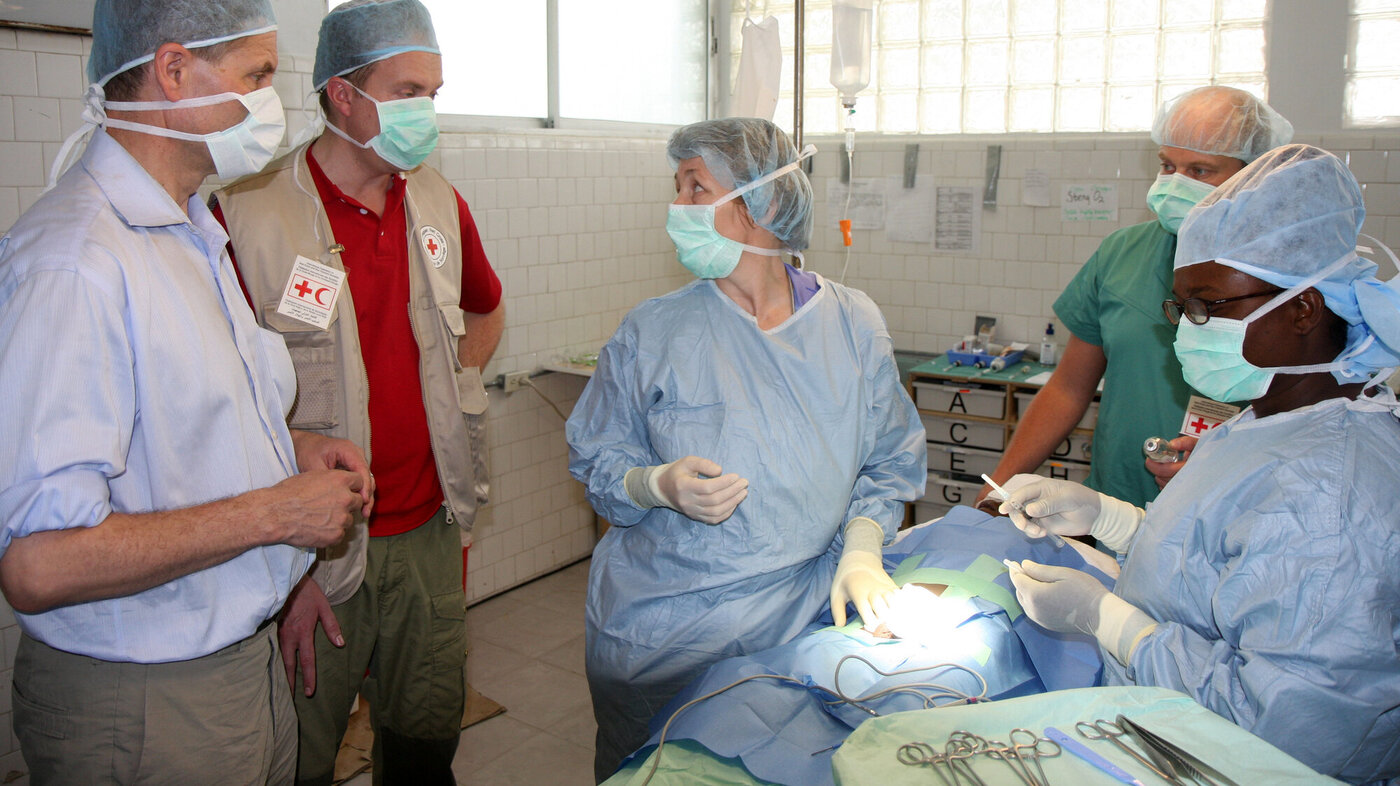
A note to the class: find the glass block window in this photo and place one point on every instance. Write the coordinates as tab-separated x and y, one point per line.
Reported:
1004	66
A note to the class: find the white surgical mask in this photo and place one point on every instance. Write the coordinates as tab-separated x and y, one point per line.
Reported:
241	149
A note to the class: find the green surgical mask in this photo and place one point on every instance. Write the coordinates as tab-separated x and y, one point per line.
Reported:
700	247
408	131
1172	196
1212	355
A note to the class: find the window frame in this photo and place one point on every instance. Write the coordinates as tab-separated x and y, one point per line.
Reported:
454	122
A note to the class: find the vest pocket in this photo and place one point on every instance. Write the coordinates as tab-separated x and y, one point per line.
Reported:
315	355
471	397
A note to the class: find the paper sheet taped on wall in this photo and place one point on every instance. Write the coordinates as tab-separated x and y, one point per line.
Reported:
1094	202
1035	188
957	219
909	211
867	202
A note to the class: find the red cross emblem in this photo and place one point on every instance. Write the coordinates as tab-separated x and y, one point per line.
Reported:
434	245
1199	425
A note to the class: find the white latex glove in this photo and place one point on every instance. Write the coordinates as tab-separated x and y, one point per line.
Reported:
1067	508
860	575
1072	601
692	486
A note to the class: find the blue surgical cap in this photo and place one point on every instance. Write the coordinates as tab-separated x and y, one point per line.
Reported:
738	150
1283	219
1221	121
361	32
126	33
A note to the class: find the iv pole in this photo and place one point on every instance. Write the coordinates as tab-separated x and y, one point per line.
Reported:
797	76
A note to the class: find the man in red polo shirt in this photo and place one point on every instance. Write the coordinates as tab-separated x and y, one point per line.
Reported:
371	268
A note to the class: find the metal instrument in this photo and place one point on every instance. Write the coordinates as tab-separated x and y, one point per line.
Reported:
953	765
1179	758
1108	730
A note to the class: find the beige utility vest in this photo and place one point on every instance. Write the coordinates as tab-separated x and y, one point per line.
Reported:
272	218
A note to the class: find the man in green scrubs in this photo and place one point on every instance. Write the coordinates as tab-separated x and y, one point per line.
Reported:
1113	307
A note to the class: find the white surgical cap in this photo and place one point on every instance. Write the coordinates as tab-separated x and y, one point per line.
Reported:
1221	121
738	150
126	33
361	32
1283	219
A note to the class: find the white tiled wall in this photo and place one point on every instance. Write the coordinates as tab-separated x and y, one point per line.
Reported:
573	223
1027	255
574	226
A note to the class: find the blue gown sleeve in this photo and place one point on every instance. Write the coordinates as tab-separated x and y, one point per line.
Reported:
895	468
607	431
1297	645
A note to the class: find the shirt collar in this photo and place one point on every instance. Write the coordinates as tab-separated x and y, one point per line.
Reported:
330	191
132	192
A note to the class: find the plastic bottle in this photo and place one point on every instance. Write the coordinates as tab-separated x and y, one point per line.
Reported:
1160	450
851	27
1048	347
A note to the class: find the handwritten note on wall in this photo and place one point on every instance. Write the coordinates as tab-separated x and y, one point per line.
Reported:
867	202
1089	203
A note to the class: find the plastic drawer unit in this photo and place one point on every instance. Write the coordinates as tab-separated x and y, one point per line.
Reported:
969	415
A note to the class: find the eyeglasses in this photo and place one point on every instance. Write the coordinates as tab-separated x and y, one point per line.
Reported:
1198	311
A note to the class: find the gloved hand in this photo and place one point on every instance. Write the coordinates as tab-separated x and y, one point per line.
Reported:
683	486
1072	601
1067	508
860	575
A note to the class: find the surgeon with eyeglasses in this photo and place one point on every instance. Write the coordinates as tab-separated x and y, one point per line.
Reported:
1262	581
746	435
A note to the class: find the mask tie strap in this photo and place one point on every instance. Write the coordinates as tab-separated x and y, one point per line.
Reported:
807	152
1297	289
93	116
1366	249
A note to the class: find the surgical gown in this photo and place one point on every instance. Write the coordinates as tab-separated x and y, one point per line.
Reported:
811	412
1272	562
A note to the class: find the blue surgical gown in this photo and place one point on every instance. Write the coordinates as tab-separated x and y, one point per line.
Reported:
1272	562
811	412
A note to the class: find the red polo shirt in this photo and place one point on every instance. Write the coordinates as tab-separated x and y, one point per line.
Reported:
376	267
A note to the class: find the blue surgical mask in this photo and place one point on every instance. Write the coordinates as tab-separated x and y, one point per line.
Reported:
1212	355
408	131
700	247
1172	196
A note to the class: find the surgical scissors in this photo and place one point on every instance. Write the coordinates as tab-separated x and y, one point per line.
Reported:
1108	730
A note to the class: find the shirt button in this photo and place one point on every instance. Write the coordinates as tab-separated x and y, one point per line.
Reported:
363	211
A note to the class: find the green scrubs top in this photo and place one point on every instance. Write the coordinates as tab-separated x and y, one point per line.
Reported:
1115	303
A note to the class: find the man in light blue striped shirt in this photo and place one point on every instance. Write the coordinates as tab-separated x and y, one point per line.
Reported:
155	510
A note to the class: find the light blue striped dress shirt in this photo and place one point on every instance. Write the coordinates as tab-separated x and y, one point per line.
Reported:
135	379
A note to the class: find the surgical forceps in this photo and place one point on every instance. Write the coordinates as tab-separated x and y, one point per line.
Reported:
1108	730
924	755
962	747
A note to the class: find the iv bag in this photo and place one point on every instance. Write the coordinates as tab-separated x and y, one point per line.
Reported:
851	22
760	70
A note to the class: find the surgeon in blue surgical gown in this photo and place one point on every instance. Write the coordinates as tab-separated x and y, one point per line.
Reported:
746	435
1265	580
